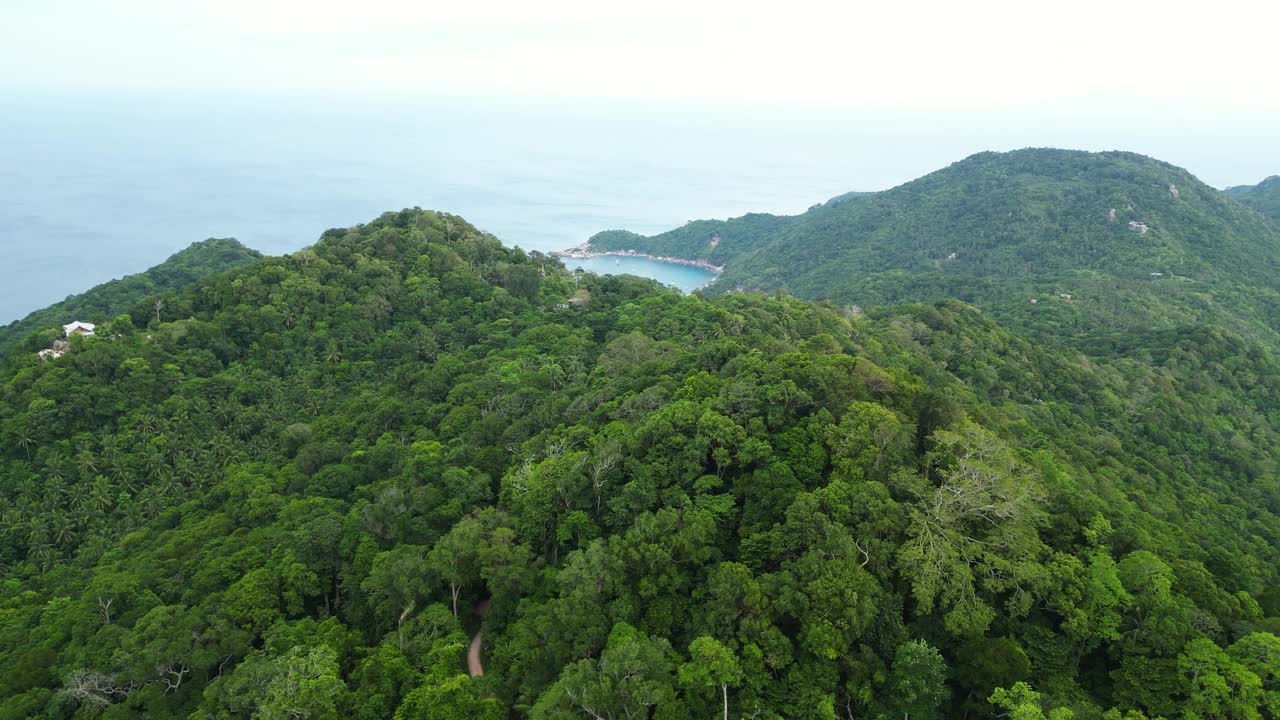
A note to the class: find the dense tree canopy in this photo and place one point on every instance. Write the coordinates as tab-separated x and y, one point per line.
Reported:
290	496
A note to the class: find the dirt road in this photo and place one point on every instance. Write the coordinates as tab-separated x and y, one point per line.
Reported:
474	667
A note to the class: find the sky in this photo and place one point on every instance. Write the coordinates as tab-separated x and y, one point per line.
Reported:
904	55
1096	74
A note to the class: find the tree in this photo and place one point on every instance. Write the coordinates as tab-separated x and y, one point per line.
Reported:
1020	702
398	581
32	669
626	352
1216	685
379	683
1260	653
729	593
165	647
455	559
831	594
628	680
604	458
453	698
983	664
917	683
980	511
95	689
302	683
869	439
711	664
253	601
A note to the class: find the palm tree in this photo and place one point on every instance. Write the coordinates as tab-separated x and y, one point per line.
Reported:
222	449
55	465
78	496
225	410
152	460
86	463
123	477
147	423
101	494
37	534
11	523
25	439
152	502
62	530
43	555
555	374
184	468
54	488
26	492
260	444
110	448
167	484
133	517
242	426
573	366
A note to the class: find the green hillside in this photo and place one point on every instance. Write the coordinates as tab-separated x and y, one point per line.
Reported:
291	495
718	242
1263	197
200	259
1002	229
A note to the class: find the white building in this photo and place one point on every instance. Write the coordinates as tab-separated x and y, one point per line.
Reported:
78	328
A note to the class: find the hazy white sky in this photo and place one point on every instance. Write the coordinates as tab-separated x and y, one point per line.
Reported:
1080	55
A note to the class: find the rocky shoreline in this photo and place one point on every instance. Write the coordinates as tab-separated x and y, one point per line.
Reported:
584	252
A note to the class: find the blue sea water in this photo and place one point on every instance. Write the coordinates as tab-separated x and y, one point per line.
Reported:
685	277
92	190
95	187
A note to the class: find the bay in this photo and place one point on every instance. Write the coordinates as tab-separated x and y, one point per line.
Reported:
684	277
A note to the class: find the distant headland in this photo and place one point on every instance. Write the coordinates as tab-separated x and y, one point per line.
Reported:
584	252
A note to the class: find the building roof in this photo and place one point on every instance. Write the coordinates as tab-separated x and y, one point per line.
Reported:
77	325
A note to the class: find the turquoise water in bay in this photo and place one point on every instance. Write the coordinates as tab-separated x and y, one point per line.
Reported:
684	277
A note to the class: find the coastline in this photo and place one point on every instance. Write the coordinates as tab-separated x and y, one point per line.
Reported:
584	252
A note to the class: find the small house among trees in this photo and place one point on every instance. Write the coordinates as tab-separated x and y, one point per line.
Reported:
78	328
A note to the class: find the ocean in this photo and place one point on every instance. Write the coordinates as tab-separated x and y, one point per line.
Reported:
93	191
95	187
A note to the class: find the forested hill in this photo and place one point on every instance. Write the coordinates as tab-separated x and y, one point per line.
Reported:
284	497
1135	243
1263	197
200	259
